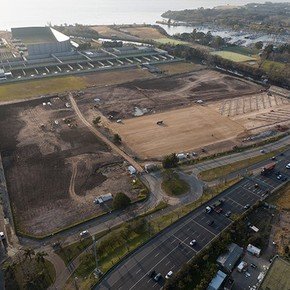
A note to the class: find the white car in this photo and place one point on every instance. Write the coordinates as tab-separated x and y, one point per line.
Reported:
288	166
193	242
84	233
2	236
169	275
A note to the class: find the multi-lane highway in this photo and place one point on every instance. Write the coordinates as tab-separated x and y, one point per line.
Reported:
169	250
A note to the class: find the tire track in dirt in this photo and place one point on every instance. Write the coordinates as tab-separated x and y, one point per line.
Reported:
103	138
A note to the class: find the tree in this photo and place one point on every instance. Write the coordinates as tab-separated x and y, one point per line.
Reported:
121	200
170	161
117	139
28	253
259	45
40	257
97	120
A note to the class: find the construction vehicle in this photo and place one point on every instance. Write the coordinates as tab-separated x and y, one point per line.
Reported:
267	169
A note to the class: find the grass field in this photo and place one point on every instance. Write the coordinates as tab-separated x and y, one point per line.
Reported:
22	90
179	67
270	66
233	56
277	276
282	198
183	130
166	40
145	32
222	171
34	88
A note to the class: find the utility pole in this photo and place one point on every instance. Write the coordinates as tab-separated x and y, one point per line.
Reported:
97	271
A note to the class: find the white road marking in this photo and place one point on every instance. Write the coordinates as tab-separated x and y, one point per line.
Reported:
167	263
204	228
157	255
138	271
235	202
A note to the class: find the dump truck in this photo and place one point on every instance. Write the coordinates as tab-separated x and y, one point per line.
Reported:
268	168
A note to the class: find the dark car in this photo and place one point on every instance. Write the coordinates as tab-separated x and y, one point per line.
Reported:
228	214
157	277
284	178
253	265
152	274
210	223
56	245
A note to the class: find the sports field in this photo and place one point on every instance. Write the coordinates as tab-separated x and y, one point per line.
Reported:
237	57
182	130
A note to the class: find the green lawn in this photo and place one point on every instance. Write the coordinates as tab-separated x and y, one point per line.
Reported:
170	41
28	89
242	50
222	171
233	56
269	65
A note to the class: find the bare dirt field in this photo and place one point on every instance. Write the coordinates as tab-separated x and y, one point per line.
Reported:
55	167
161	98
183	130
106	31
161	94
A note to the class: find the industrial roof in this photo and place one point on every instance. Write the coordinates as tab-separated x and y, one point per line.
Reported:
37	35
229	259
217	281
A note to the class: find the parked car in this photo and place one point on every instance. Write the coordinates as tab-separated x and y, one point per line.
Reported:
169	275
56	245
247	206
288	166
210	223
152	274
157	277
193	242
279	176
262	151
228	214
2	236
253	265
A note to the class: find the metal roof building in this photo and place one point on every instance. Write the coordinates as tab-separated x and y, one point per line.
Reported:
217	281
42	40
230	259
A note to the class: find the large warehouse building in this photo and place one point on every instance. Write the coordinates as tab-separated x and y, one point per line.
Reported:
42	40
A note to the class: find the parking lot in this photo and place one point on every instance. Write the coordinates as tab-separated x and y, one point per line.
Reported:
169	250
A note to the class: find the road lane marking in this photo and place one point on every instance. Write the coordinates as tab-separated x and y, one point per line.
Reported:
138	271
154	266
204	228
157	255
167	263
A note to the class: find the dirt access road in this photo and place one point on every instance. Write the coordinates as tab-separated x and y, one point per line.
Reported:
115	148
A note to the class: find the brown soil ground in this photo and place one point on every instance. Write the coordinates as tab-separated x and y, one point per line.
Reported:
55	171
162	94
179	67
109	32
183	130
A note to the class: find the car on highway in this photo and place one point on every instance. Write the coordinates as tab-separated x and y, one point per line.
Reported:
157	277
84	233
210	223
247	206
228	213
193	242
288	166
169	275
152	274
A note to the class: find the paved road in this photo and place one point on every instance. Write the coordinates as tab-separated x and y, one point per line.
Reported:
115	148
170	250
217	162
